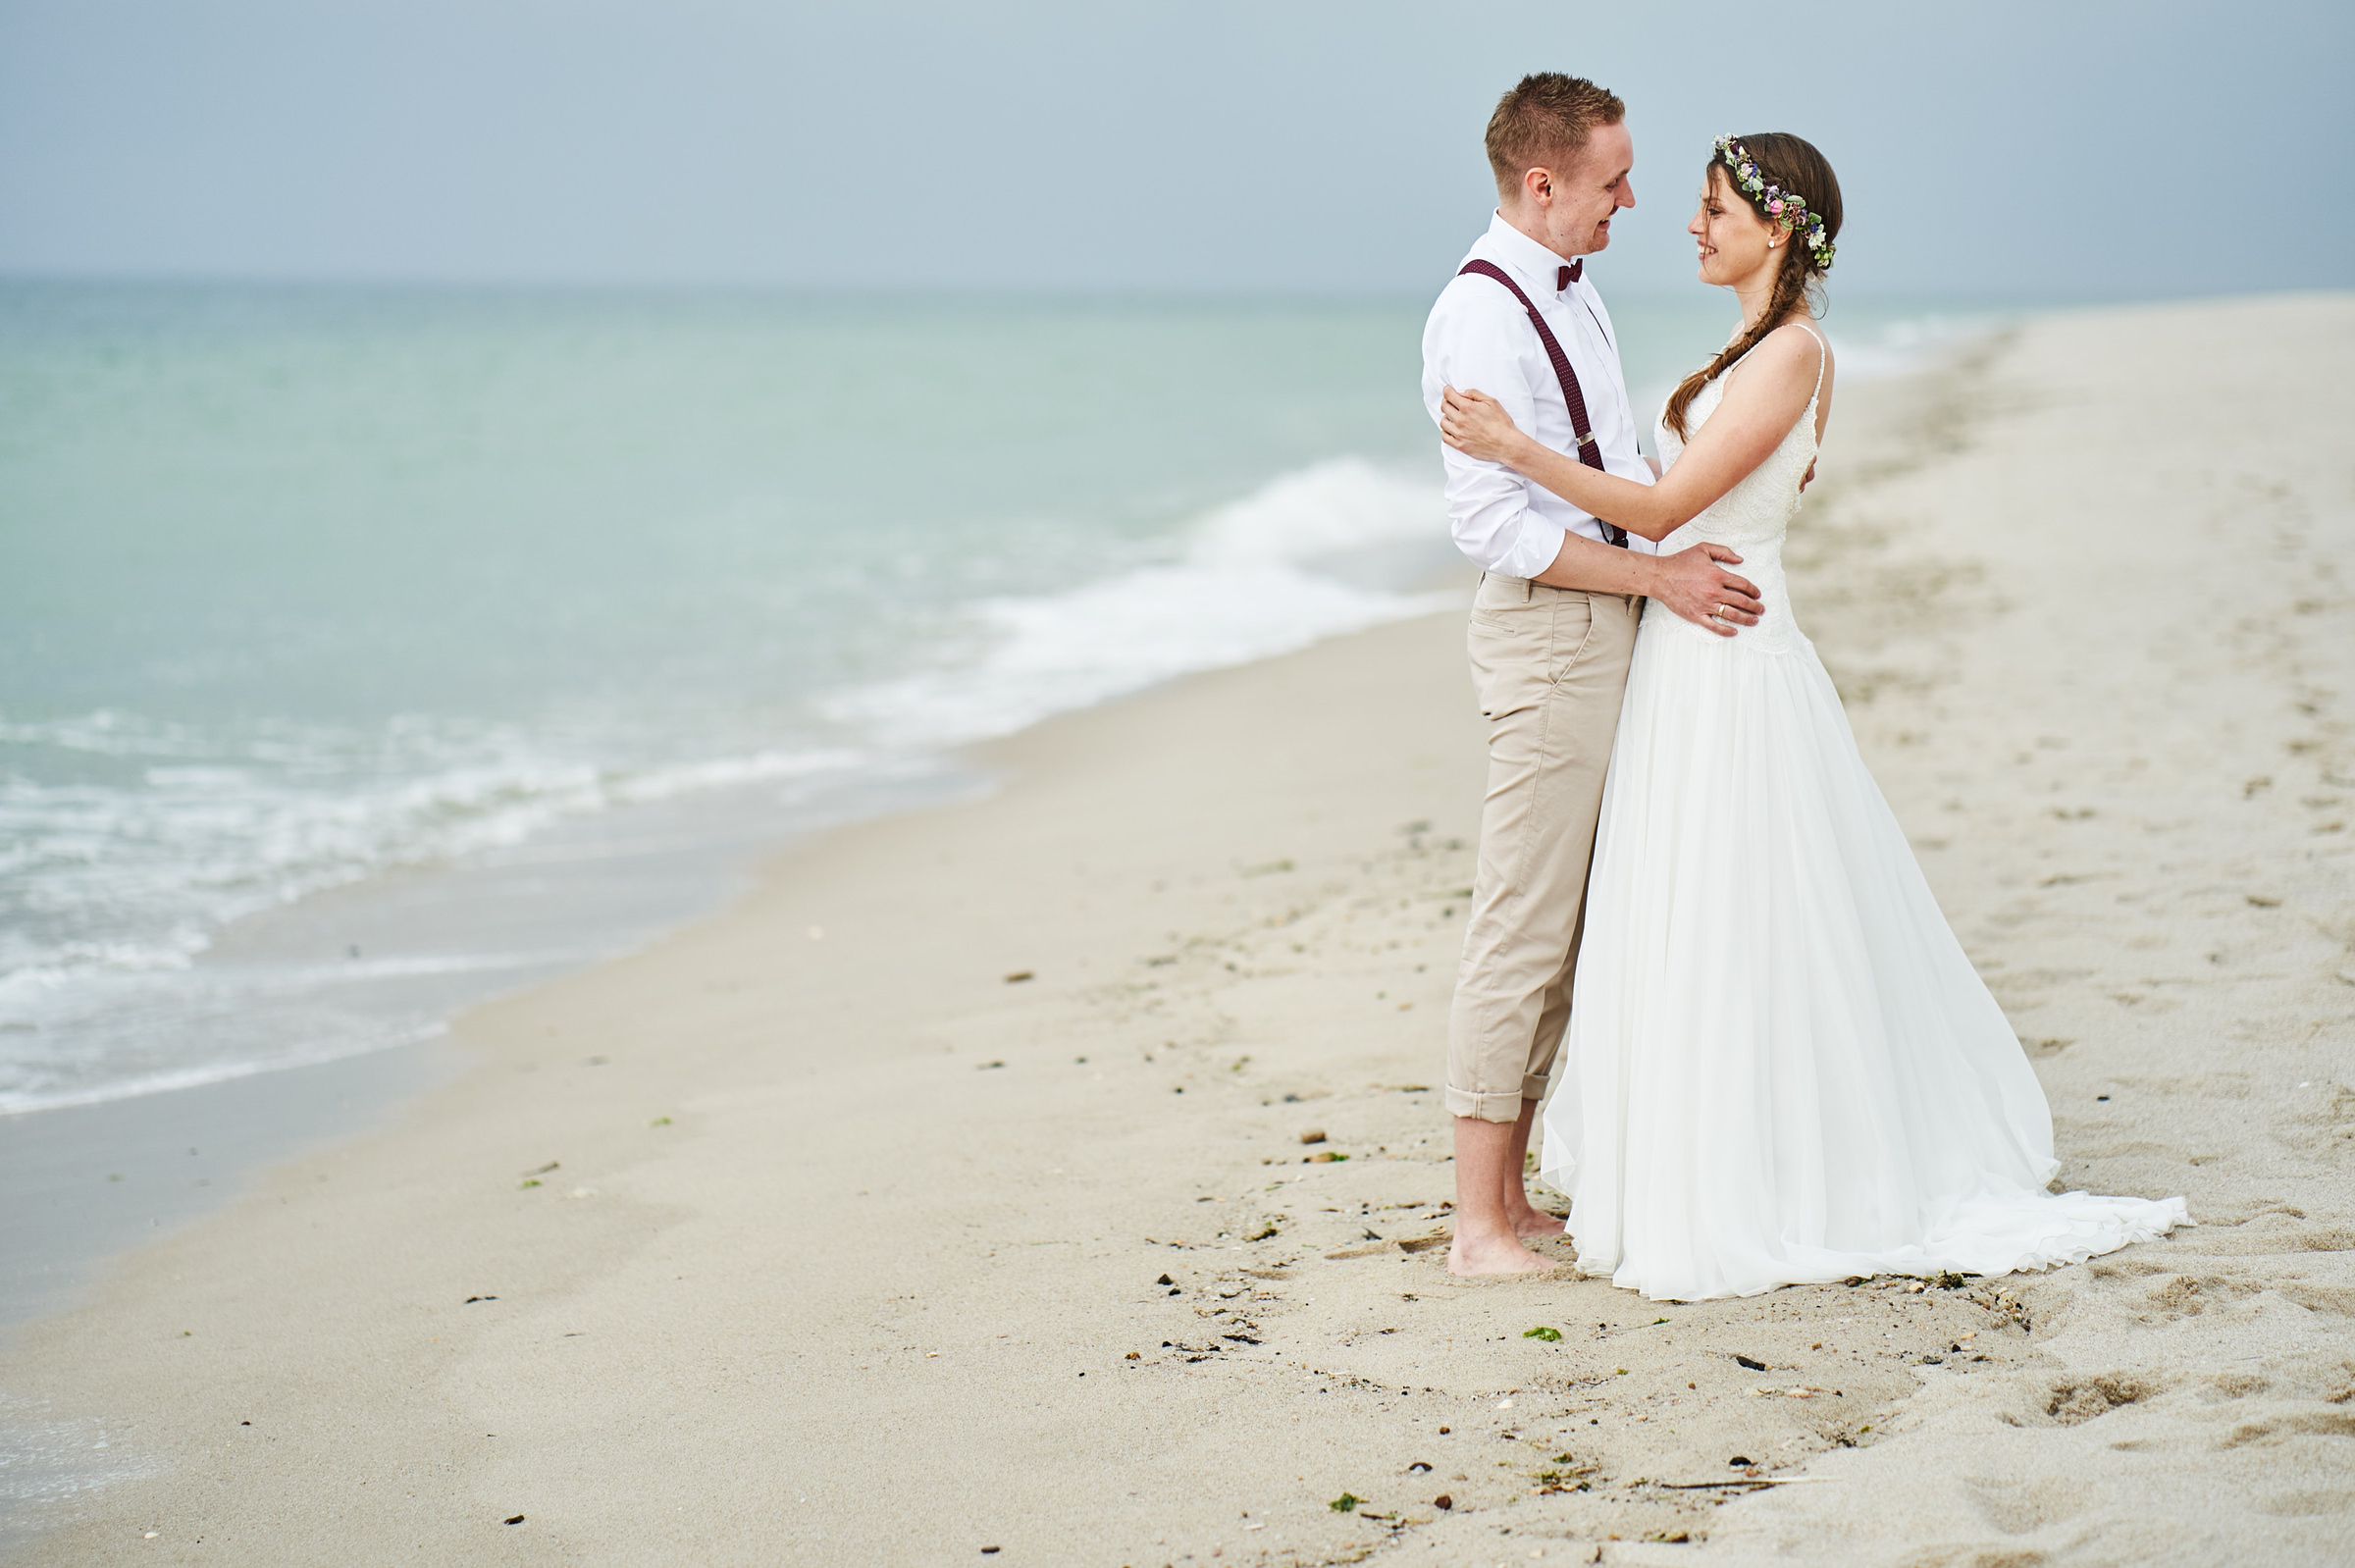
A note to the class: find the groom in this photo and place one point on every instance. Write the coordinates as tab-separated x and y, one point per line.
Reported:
1553	624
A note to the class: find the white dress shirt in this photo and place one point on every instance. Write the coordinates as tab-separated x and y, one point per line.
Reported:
1478	338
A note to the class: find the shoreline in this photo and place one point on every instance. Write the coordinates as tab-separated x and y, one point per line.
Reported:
854	1236
101	1176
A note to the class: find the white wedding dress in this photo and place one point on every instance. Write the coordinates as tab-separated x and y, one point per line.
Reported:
1780	1066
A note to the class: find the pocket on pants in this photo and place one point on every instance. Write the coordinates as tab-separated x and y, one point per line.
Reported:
1573	629
1512	655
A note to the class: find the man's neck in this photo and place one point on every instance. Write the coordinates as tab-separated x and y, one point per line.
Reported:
1528	223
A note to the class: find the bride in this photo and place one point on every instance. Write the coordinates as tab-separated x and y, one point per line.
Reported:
1780	1067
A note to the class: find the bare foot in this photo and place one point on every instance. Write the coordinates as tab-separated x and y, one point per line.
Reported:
1493	1254
1536	1224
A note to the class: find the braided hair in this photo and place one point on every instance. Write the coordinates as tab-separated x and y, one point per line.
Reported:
1791	164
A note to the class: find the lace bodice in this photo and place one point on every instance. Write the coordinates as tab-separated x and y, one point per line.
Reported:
1752	518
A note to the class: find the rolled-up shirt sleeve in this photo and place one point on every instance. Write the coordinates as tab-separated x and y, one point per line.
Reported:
1473	345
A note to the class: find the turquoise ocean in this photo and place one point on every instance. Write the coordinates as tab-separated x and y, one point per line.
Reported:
367	652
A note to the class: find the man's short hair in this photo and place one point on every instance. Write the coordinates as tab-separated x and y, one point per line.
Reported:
1543	122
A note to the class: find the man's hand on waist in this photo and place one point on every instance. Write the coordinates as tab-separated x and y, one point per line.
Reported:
1696	585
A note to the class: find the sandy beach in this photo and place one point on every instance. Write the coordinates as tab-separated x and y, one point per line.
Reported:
1053	1179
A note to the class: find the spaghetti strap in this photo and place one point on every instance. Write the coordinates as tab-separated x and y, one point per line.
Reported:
1823	352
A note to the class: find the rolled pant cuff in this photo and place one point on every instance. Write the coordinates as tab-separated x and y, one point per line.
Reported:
1484	1107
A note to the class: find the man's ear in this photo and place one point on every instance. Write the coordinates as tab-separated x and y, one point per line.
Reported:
1537	184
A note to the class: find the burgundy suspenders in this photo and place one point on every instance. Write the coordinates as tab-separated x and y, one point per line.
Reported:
1589	449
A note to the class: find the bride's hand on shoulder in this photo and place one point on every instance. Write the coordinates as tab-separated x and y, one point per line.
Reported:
1477	425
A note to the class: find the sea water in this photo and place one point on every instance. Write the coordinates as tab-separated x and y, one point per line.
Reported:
365	652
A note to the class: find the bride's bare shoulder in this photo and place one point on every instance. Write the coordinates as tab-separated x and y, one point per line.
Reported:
1797	344
1785	360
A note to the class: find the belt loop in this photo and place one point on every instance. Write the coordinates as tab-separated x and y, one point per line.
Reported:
1528	588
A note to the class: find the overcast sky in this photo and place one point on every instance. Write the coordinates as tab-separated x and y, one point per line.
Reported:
2065	149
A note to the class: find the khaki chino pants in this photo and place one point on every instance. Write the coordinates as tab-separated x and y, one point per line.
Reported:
1550	666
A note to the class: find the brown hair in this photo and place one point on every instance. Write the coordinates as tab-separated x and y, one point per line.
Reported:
1544	122
1790	164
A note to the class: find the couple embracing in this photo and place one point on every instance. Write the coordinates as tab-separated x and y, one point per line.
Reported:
1692	905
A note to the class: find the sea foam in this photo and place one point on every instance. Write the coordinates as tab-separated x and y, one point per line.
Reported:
1255	578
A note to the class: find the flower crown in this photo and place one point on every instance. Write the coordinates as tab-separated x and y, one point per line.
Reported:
1784	207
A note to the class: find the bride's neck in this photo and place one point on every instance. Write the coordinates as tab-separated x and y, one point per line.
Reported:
1757	296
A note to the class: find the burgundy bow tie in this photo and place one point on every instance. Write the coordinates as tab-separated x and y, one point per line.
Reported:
1569	275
